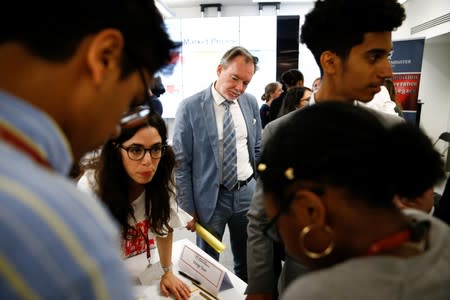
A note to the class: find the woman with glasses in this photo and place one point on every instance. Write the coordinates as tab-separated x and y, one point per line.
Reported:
295	98
133	176
329	182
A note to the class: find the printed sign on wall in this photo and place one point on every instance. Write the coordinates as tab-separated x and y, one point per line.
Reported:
407	67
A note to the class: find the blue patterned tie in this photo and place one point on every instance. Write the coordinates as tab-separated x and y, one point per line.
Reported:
229	170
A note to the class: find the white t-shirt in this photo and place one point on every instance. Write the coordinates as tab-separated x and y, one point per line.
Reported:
382	102
136	244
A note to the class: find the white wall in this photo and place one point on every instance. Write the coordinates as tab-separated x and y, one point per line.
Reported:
421	11
434	88
307	63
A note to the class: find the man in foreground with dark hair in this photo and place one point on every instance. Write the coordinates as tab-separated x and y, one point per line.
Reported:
351	42
65	83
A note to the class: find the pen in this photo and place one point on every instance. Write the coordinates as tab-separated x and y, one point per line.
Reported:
188	277
204	290
204	296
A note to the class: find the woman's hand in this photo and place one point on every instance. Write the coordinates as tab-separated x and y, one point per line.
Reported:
171	285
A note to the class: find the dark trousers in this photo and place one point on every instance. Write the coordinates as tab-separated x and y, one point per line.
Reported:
232	207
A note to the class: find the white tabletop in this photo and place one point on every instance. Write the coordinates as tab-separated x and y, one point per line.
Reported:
151	291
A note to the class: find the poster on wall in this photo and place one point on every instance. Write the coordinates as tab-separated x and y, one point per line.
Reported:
407	67
204	41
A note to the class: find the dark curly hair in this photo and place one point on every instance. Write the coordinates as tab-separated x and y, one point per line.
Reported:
338	144
339	25
112	180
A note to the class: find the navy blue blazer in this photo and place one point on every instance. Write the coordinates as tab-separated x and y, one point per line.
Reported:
196	146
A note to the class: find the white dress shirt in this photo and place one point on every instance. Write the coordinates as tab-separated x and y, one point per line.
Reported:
244	167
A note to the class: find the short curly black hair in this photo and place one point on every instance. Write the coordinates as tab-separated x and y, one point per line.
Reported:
339	25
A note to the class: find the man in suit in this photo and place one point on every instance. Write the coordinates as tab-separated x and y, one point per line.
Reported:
351	42
201	149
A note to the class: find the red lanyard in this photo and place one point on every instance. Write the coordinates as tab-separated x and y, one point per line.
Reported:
147	245
20	143
391	242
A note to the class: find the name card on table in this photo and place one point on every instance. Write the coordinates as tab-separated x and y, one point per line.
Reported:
205	269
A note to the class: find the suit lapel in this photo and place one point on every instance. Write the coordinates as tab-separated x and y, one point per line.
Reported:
210	121
248	117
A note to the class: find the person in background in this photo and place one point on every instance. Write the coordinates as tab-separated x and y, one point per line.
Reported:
424	202
316	84
65	83
133	176
295	98
217	138
389	84
156	91
273	90
290	79
351	42
382	102
316	190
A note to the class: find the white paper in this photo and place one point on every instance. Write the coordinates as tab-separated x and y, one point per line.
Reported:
205	269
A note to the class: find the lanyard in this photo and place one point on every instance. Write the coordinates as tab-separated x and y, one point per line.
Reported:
147	246
388	243
415	237
20	143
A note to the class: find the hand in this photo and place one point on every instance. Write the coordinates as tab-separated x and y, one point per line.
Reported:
191	224
268	296
170	284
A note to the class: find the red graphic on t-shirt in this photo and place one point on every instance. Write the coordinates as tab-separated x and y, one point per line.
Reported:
135	243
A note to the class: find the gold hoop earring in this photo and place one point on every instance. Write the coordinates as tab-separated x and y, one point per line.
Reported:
311	254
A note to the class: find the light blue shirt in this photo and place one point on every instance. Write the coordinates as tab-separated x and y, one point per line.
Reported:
56	242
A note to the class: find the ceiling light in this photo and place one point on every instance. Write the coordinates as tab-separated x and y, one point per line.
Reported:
164	10
284	1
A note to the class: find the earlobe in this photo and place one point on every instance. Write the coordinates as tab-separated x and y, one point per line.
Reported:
104	54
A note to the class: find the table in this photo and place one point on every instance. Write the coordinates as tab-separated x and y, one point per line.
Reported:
151	291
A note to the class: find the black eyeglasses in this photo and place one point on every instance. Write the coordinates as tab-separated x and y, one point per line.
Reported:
138	114
137	152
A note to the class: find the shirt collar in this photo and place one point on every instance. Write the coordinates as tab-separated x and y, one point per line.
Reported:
218	98
39	128
312	100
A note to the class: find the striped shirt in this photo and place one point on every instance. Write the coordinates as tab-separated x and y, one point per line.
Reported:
55	241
